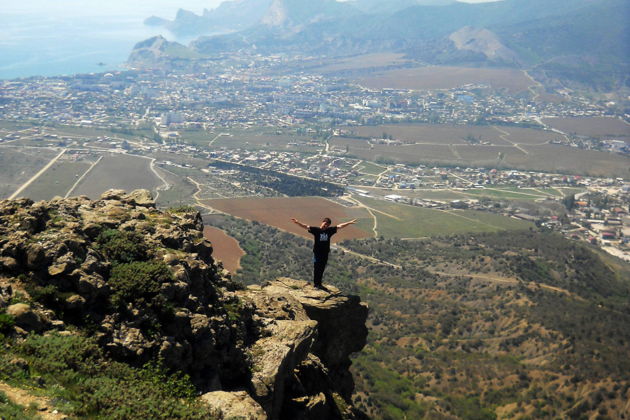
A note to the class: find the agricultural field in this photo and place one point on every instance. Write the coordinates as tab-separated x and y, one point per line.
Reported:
456	134
119	171
411	153
57	180
369	168
361	62
224	248
538	157
277	212
405	221
17	166
555	158
268	141
502	193
513	193
493	156
591	126
443	77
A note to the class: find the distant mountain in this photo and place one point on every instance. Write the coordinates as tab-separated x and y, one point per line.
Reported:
391	6
229	16
581	41
293	13
484	42
590	45
159	51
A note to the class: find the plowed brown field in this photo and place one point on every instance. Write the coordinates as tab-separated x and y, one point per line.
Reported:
277	212
224	248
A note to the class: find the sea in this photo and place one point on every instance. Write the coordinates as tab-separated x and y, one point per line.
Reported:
64	37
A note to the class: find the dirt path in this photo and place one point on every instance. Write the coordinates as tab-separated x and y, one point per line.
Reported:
22	397
504	136
454	151
509	280
37	175
83	176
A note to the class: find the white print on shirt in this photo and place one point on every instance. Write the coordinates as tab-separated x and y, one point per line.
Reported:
323	237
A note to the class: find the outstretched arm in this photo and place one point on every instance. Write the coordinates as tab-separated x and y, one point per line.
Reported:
343	225
297	222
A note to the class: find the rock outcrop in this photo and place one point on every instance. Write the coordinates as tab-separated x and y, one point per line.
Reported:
144	283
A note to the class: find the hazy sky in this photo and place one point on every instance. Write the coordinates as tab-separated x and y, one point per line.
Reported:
163	8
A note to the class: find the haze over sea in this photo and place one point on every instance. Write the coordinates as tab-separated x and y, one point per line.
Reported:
47	38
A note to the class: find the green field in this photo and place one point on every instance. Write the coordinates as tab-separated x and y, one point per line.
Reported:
405	221
370	168
277	142
510	193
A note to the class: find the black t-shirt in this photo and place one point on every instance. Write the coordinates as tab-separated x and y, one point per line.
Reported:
322	238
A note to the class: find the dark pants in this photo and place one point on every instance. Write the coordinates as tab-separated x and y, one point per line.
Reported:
319	265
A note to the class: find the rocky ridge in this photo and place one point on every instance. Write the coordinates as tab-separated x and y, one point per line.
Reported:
144	283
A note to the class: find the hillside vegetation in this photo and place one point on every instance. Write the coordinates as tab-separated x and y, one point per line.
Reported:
112	309
477	326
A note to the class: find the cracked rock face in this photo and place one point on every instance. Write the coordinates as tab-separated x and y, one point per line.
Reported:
143	282
301	365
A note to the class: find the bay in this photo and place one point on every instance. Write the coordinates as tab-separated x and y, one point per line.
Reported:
40	39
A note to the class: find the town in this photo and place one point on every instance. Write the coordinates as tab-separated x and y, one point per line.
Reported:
156	113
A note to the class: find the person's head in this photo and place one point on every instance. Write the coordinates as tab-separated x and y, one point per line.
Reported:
325	222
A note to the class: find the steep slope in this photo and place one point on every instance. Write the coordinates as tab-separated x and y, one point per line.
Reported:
229	16
516	325
158	51
116	295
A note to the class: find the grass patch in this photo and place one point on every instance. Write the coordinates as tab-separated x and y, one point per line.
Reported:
10	410
370	168
405	221
88	385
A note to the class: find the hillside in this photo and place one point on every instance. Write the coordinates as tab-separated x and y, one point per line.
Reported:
486	325
113	309
563	41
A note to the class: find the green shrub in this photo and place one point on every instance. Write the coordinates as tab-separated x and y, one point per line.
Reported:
6	323
122	247
46	295
182	209
137	282
91	386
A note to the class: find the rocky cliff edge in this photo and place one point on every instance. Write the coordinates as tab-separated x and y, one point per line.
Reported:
144	283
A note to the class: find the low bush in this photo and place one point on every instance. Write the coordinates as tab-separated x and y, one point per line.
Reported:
92	386
122	247
137	282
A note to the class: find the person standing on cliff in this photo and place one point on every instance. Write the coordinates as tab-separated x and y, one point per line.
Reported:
321	245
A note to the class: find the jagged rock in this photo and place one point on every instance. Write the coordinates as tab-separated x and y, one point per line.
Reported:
140	198
203	248
340	318
130	342
176	354
75	302
92	286
35	256
275	357
287	302
285	345
234	405
8	264
113	194
25	317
